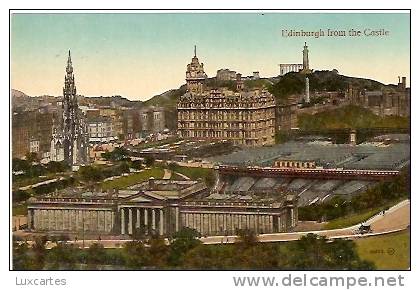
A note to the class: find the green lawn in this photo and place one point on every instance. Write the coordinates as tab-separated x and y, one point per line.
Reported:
388	252
356	218
126	181
193	172
352	219
349	117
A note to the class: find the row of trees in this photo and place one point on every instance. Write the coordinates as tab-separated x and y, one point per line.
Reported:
374	197
30	167
22	195
185	251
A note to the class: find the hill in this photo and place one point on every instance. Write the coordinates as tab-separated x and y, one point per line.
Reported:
170	98
294	83
349	117
281	87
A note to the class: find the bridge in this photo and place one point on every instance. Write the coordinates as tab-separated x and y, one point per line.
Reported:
313	173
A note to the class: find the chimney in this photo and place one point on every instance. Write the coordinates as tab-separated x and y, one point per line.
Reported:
151	182
403	83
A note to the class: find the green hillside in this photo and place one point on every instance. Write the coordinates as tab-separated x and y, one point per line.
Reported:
349	117
281	87
294	83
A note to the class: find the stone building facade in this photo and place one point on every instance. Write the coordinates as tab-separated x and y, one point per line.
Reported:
158	206
157	119
383	102
101	130
29	127
244	117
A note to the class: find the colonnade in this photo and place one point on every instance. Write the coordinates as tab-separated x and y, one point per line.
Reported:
148	219
292	67
212	223
71	220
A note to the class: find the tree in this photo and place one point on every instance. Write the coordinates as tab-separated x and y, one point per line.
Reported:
158	252
54	166
95	256
137	164
62	257
210	178
20	165
317	253
39	252
263	256
118	154
149	161
246	238
172	166
20	195
21	257
32	157
90	173
135	255
182	241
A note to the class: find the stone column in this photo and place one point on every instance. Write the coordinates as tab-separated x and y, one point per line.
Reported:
161	222
122	222
232	224
112	221
270	222
146	224
264	228
176	219
104	220
224	223
35	219
137	218
63	218
77	212
98	217
49	219
153	219
130	221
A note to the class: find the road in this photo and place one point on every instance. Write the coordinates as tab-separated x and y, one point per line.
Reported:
395	219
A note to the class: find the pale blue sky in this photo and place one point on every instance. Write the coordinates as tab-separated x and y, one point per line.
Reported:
140	55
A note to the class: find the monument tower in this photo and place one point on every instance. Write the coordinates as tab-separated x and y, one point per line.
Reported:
306	71
72	138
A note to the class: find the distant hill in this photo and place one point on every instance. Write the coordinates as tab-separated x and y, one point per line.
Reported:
20	99
281	87
294	83
170	98
18	94
116	101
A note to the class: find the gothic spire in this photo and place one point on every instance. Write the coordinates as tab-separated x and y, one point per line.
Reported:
195	51
69	68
